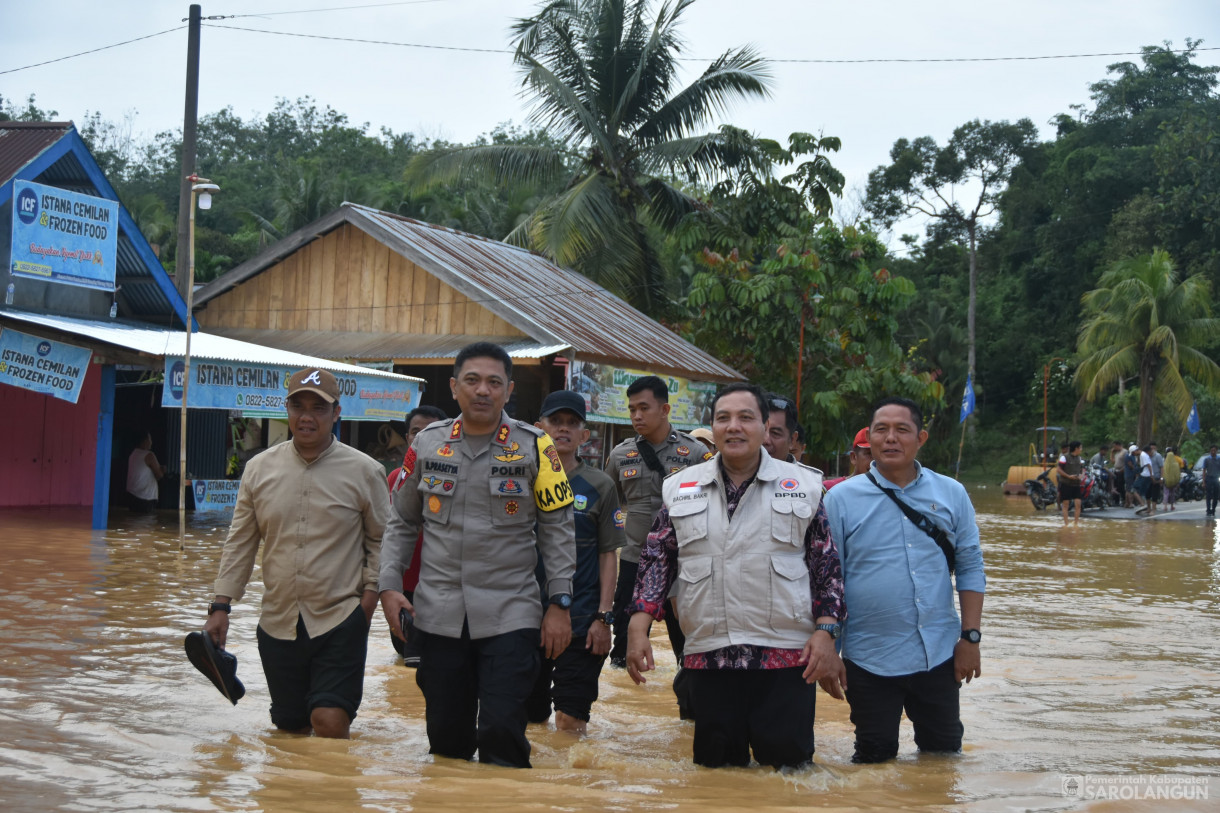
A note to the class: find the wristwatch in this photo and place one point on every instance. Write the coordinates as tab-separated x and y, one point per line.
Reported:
562	600
606	618
833	629
219	605
972	636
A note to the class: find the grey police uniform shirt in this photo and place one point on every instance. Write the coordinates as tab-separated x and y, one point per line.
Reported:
639	487
478	510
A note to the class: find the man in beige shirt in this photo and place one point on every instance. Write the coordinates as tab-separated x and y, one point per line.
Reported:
319	507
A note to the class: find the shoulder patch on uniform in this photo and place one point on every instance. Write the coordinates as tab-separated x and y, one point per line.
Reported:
552	490
628	474
683	450
620	519
708	455
408	462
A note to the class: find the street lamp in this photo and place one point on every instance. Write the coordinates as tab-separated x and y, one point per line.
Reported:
202	190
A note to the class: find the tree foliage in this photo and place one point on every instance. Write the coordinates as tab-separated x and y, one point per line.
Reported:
1144	321
602	78
751	316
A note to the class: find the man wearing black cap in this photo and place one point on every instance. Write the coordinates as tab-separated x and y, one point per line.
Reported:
569	681
319	508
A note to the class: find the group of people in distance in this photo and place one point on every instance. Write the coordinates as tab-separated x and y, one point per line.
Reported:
1140	478
534	568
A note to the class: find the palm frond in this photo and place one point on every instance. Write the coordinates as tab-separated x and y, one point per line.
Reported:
492	164
740	74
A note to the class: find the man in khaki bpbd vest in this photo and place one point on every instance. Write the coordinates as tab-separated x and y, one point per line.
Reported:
743	543
637	466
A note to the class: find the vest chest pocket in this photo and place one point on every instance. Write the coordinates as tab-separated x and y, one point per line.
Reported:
436	500
511	501
689	519
789	520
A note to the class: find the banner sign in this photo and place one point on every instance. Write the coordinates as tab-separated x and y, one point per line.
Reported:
215	495
41	365
62	236
262	389
605	391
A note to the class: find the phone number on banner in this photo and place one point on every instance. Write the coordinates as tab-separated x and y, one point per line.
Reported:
260	401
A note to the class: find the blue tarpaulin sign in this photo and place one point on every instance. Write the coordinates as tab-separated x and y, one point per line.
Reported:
41	365
215	495
1192	422
62	236
262	389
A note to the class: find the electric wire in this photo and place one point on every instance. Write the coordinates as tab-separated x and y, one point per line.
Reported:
92	50
333	8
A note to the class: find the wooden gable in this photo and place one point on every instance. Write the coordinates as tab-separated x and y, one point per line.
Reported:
349	281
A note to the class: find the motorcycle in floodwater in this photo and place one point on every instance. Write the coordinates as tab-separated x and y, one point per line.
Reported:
1042	492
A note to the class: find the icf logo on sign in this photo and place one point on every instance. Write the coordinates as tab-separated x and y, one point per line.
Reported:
27	206
177	374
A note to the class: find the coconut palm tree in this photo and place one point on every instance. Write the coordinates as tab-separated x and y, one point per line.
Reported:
1143	321
602	76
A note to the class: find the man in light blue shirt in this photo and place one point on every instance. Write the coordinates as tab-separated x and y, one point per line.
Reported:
903	644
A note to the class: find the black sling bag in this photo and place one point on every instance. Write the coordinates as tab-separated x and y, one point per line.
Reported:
650	456
922	523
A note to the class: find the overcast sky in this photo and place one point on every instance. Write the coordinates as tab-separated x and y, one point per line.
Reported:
458	95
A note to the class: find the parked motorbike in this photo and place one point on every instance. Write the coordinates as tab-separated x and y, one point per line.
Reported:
1191	486
1042	491
1094	487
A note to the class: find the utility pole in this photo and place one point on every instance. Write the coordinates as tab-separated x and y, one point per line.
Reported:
189	119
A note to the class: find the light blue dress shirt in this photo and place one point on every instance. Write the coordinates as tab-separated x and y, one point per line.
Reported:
901	616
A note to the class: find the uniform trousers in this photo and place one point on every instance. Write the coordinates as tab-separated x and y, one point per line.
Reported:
475	692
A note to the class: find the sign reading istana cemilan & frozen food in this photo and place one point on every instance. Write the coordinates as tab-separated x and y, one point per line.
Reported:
62	236
262	389
215	495
605	390
41	365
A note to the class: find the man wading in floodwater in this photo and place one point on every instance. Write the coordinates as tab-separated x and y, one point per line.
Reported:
319	508
744	542
903	531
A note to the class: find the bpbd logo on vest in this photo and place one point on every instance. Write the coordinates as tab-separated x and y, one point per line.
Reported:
27	206
177	374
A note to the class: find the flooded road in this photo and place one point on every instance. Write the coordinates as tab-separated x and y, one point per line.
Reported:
1099	660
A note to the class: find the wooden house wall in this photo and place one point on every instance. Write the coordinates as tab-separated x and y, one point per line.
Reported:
348	281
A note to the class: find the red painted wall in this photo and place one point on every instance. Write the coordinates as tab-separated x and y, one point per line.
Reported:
47	457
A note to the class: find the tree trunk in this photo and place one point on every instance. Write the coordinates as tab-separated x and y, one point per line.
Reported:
971	226
1147	402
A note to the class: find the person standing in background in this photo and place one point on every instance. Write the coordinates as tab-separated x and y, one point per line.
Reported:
143	472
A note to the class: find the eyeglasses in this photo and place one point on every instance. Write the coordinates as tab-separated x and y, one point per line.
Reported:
780	403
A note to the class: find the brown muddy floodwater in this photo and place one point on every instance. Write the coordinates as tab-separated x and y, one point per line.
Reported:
1099	662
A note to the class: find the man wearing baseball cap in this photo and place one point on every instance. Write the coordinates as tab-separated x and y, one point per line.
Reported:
860	456
569	680
318	507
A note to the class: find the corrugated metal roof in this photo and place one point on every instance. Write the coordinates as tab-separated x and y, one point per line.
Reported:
354	345
552	305
23	141
173	343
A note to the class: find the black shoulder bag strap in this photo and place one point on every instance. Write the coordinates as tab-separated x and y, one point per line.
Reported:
650	456
922	523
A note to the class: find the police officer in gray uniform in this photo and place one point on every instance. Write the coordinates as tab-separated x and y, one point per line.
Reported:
638	466
479	486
